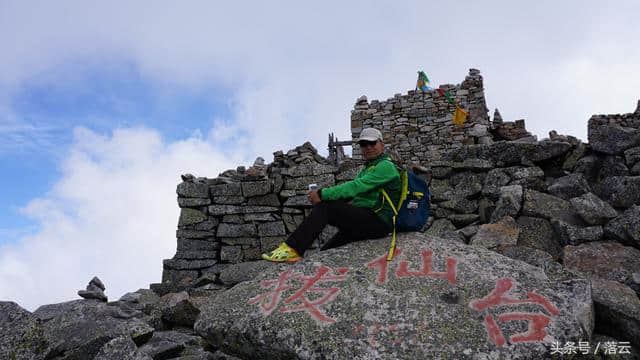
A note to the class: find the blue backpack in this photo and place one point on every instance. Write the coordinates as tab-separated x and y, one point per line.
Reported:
412	210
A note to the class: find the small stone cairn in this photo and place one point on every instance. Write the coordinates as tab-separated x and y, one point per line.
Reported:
95	290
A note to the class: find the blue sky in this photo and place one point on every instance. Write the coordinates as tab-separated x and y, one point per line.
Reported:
104	105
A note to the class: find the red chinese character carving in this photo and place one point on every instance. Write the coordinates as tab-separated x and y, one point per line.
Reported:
449	274
537	323
497	297
269	301
382	265
311	306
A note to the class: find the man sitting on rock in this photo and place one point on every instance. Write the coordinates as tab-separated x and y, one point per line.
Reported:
357	207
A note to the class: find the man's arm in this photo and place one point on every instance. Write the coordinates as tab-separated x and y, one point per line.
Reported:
374	178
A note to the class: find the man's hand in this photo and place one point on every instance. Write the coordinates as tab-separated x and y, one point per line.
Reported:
313	196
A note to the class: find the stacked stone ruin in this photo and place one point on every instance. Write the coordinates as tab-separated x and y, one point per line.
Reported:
561	194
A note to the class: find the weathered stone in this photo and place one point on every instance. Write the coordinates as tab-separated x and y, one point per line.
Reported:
255	188
531	256
302	183
236	230
178	309
621	191
617	310
626	227
592	209
569	234
193	190
348	174
309	169
570	186
228	200
232	189
467	185
233	219
11	312
460	205
75	329
121	347
168	345
208	224
588	166
242	323
197	254
461	220
190	217
298	200
441	190
611	166
635	170
495	179
632	156
275	228
496	236
267	200
260	217
232	254
269	243
182	264
234	209
193	202
572	159
485	209
607	260
196	244
547	206
194	234
245	271
509	203
537	233
473	165
611	139
179	276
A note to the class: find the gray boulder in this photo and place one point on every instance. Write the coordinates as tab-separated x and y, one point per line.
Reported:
494	180
592	209
621	191
432	300
606	260
626	227
569	186
498	235
121	348
178	308
509	203
617	310
245	271
547	206
168	344
76	330
569	234
537	233
94	290
11	312
611	139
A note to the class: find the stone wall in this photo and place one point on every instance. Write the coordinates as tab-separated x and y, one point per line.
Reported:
418	126
242	213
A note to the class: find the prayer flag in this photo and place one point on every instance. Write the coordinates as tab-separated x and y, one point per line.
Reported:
446	95
459	116
423	80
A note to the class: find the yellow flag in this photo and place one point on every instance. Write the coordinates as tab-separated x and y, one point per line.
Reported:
460	116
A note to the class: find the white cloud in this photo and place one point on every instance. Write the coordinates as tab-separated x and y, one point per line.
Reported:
112	214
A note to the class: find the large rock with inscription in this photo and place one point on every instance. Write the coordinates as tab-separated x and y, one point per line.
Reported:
436	299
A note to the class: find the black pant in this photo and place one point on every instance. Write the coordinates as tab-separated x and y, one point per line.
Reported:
353	223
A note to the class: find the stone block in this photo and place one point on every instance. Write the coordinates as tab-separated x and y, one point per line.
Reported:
193	190
232	189
275	228
231	254
255	188
236	230
191	216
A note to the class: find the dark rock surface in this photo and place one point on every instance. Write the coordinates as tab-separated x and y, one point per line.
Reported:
617	310
607	260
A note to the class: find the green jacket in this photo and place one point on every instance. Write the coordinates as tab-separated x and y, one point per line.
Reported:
363	191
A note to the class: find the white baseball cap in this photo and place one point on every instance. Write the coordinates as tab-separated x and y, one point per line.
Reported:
370	134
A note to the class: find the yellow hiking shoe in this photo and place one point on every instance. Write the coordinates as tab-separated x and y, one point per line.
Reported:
283	253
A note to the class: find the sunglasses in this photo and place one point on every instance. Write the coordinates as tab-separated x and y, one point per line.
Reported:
365	143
